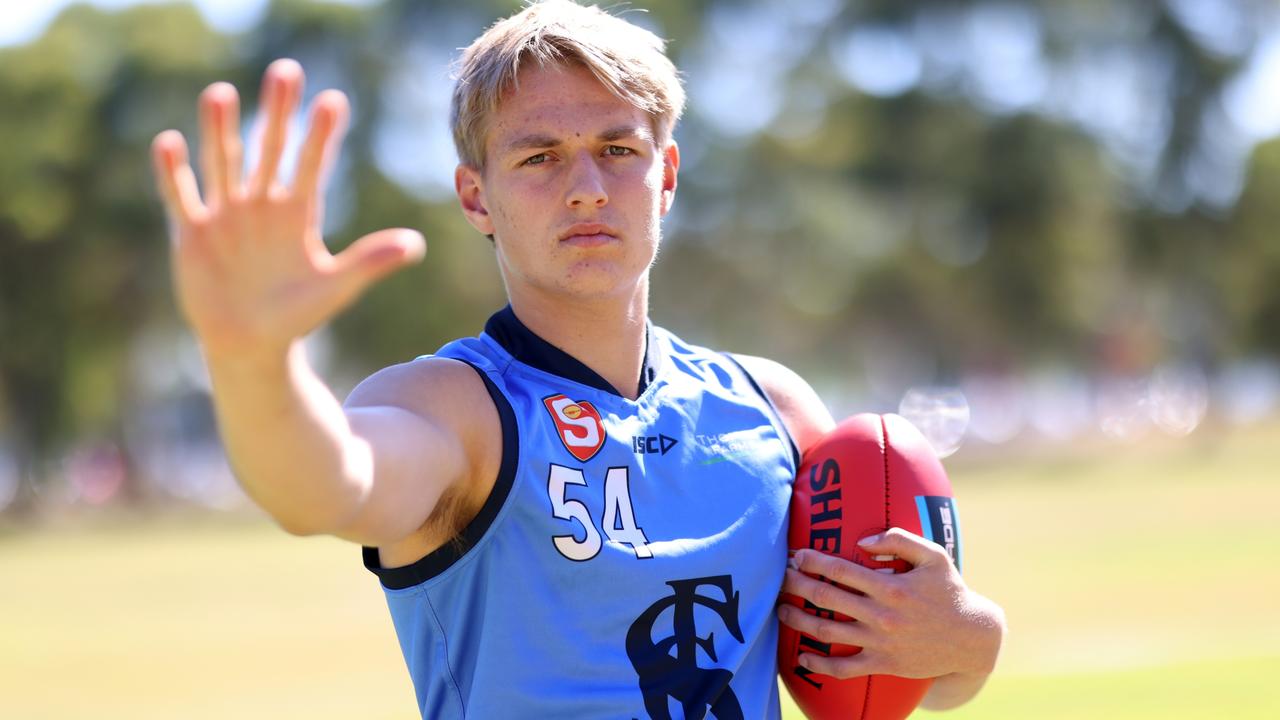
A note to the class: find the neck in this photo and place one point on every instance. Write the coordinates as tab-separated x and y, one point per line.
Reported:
607	334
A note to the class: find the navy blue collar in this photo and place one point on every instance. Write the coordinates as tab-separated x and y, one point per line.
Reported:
528	348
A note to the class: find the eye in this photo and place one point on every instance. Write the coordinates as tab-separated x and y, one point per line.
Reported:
536	159
618	151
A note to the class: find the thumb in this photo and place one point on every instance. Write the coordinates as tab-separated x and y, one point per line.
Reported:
377	255
905	544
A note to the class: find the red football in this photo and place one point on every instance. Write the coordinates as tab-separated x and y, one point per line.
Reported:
872	472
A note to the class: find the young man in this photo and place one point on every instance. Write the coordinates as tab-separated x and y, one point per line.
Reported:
576	514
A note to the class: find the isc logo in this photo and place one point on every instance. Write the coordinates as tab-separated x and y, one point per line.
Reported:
652	444
578	425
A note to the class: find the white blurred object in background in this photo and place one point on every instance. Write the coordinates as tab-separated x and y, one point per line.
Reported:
1122	408
1177	398
940	413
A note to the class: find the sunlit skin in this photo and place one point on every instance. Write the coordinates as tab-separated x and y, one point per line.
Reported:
900	619
574	187
252	272
573	190
563	152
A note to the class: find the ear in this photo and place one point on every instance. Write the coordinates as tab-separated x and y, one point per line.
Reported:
670	169
469	185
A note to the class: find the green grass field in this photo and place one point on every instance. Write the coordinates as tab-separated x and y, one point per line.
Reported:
1139	583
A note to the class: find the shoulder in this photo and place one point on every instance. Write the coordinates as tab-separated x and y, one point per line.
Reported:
803	412
427	386
440	402
448	394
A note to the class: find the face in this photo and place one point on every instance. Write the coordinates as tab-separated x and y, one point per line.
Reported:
573	188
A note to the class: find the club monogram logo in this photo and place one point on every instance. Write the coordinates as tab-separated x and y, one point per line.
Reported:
678	676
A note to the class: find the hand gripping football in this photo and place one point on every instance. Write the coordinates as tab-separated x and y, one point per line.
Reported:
872	472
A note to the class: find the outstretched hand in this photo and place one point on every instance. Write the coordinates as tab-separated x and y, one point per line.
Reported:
922	623
250	265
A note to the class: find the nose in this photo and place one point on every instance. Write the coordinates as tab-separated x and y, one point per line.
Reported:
586	184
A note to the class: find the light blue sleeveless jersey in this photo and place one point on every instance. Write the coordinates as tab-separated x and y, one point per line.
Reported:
629	558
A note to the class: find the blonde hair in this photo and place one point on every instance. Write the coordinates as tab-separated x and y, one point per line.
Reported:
625	58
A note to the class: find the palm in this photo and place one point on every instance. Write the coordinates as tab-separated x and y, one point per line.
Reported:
240	286
250	266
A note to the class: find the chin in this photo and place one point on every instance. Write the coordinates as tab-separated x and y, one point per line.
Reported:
598	280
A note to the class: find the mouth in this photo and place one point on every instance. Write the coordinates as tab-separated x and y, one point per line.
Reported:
588	235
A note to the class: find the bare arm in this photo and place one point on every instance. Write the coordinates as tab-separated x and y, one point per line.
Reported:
253	276
924	623
371	472
803	412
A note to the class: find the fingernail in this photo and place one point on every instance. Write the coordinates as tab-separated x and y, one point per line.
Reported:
793	562
870	540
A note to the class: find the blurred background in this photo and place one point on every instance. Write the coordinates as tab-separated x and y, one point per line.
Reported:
1045	232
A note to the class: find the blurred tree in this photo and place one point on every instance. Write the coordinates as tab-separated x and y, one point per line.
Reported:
82	259
940	185
996	184
1247	260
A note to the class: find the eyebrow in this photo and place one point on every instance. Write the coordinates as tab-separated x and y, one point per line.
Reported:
541	141
639	132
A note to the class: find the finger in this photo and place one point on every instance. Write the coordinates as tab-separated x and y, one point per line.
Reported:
863	663
849	574
827	597
220	141
161	147
281	90
825	630
907	545
329	115
175	178
377	255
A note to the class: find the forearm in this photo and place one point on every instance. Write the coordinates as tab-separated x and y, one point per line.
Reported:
958	688
954	690
289	441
